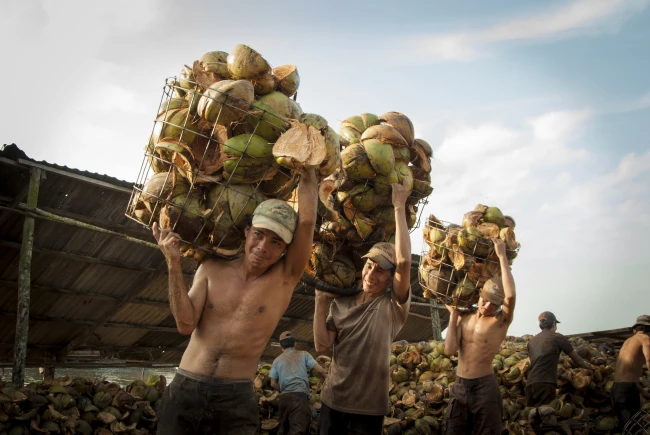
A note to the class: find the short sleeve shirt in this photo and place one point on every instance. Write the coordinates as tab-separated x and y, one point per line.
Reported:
359	372
291	369
544	352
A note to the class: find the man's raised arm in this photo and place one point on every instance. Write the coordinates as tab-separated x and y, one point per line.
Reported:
299	249
186	307
452	343
508	281
402	279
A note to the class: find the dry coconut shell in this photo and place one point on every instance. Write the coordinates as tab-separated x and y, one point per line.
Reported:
488	230
288	79
301	145
460	259
510	222
265	84
478	274
508	236
472	218
384	133
246	63
402	123
480	207
418	157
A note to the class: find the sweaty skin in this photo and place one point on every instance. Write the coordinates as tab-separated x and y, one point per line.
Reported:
234	306
477	335
629	363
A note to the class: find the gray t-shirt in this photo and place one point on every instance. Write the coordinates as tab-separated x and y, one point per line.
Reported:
544	352
359	373
291	369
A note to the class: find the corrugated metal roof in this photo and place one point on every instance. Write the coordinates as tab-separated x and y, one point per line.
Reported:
125	280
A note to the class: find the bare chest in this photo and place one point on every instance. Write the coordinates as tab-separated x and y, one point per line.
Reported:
481	331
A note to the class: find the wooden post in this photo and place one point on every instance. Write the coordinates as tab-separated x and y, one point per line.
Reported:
24	284
435	320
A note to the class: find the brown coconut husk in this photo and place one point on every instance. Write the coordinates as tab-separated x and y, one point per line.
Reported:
488	230
325	190
460	259
265	84
288	79
204	78
438	280
384	133
400	122
301	145
478	274
480	207
472	218
507	234
510	222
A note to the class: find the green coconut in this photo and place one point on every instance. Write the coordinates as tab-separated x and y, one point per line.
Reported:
283	106
174	124
404	174
216	62
246	63
384	181
463	291
214	56
341	272
422	427
172	104
250	145
264	122
332	155
280	186
472	242
231	204
356	163
399	374
380	155
226	101
494	216
386	134
401	123
264	84
288	79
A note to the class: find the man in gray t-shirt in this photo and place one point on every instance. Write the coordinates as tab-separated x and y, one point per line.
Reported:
544	351
290	376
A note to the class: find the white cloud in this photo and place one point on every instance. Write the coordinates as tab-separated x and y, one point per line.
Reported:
565	21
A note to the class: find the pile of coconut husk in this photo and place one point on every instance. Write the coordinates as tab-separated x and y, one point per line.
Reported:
460	259
355	202
80	406
227	136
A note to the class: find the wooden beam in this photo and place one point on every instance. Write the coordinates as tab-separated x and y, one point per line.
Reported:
78	257
24	284
94	322
13	202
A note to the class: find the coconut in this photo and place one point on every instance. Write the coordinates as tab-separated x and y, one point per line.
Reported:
250	145
263	121
283	106
184	215
356	163
332	153
380	155
472	242
300	146
226	101
246	63
385	134
174	124
288	79
171	104
438	280
404	174
465	293
280	186
214	57
264	84
400	122
509	222
494	216
508	236
341	272
472	218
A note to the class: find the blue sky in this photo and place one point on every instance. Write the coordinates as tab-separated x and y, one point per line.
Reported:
540	108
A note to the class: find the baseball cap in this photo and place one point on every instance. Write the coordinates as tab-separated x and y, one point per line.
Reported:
643	319
277	216
383	254
548	316
492	291
286	334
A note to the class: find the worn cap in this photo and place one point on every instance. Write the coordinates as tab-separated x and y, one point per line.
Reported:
492	291
643	319
277	216
286	334
548	317
383	254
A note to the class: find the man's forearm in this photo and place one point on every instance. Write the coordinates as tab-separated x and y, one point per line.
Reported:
402	239
307	198
451	339
508	280
179	301
321	335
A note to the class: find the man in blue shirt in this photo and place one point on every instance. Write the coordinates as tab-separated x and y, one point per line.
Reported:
290	376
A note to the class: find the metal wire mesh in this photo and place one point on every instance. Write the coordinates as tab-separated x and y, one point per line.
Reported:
454	265
639	424
201	175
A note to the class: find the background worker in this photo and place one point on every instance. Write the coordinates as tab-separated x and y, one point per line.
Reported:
361	329
544	352
629	368
290	376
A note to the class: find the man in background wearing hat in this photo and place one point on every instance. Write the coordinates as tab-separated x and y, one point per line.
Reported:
544	353
290	376
475	405
629	368
231	310
361	329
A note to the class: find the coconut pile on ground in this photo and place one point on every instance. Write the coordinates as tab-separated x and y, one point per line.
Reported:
422	375
355	202
227	136
460	259
80	406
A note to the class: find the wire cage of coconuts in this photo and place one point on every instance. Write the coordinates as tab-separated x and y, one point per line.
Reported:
355	203
458	261
209	163
639	424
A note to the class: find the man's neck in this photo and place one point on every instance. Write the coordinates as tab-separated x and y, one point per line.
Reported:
251	273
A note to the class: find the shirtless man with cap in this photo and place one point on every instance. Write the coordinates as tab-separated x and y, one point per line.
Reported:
231	310
544	351
475	405
629	368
